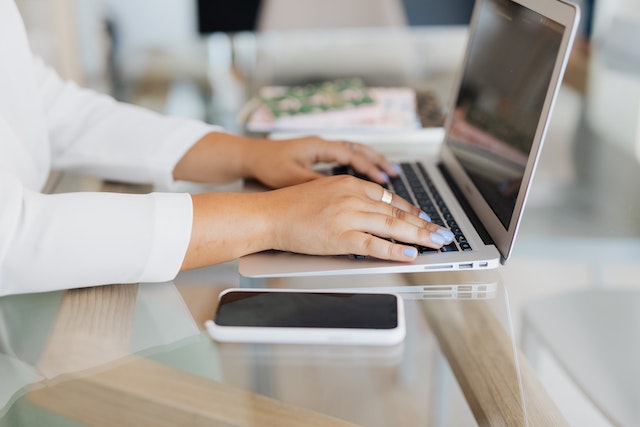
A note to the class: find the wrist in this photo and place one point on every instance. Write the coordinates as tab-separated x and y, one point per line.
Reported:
217	157
249	155
226	226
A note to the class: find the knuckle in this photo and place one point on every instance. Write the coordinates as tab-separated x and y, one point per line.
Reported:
390	250
397	212
347	181
425	236
367	244
350	201
390	222
423	233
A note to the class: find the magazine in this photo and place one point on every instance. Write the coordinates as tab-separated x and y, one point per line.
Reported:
343	104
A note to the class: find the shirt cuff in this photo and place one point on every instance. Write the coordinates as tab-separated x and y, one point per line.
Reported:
173	223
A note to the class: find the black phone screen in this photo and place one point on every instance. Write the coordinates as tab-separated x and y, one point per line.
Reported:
308	310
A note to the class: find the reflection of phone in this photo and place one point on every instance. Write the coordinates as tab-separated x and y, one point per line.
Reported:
308	317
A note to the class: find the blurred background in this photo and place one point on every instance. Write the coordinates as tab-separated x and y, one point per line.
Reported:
188	47
205	59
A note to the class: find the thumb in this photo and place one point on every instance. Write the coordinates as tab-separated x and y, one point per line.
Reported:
298	175
302	174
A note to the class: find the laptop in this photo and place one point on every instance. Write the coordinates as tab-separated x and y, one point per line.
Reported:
516	54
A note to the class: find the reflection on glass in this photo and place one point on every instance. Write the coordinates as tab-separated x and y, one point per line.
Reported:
498	108
53	337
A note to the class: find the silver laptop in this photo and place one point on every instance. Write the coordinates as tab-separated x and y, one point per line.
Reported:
515	58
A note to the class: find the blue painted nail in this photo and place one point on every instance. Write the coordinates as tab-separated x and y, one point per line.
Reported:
384	176
446	234
410	252
437	239
397	168
425	216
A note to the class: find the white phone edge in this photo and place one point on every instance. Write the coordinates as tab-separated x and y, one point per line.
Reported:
271	335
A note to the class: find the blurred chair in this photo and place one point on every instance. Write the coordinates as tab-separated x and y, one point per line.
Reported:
595	337
303	40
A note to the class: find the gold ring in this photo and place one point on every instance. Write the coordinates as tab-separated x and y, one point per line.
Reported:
387	196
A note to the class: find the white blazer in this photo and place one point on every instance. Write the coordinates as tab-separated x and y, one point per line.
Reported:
50	242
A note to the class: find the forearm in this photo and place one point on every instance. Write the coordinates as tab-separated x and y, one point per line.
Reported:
226	226
329	216
217	157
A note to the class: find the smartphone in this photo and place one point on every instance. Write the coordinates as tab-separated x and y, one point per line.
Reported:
308	317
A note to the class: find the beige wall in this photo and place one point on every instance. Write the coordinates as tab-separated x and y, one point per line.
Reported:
70	36
51	29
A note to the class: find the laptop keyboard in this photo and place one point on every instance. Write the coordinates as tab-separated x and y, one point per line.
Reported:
415	186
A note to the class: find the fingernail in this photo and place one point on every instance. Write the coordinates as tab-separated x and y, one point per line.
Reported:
425	216
446	234
437	239
410	252
384	176
396	167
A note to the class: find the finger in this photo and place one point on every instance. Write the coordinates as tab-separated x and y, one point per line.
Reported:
376	158
370	163
390	227
420	220
365	160
397	213
376	192
438	234
301	174
397	208
370	245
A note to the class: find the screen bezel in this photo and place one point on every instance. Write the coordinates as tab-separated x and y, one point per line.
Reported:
566	14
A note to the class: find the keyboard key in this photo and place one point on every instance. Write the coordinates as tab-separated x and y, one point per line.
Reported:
426	250
451	247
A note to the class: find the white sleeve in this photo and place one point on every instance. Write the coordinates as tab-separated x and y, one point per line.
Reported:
52	242
94	134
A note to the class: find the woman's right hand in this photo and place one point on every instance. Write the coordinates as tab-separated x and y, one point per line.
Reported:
328	216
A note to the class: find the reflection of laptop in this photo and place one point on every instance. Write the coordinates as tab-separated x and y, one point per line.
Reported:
516	55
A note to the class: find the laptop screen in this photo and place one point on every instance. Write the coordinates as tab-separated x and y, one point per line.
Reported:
504	84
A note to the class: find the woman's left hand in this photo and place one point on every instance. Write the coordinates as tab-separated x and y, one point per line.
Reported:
221	157
282	163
